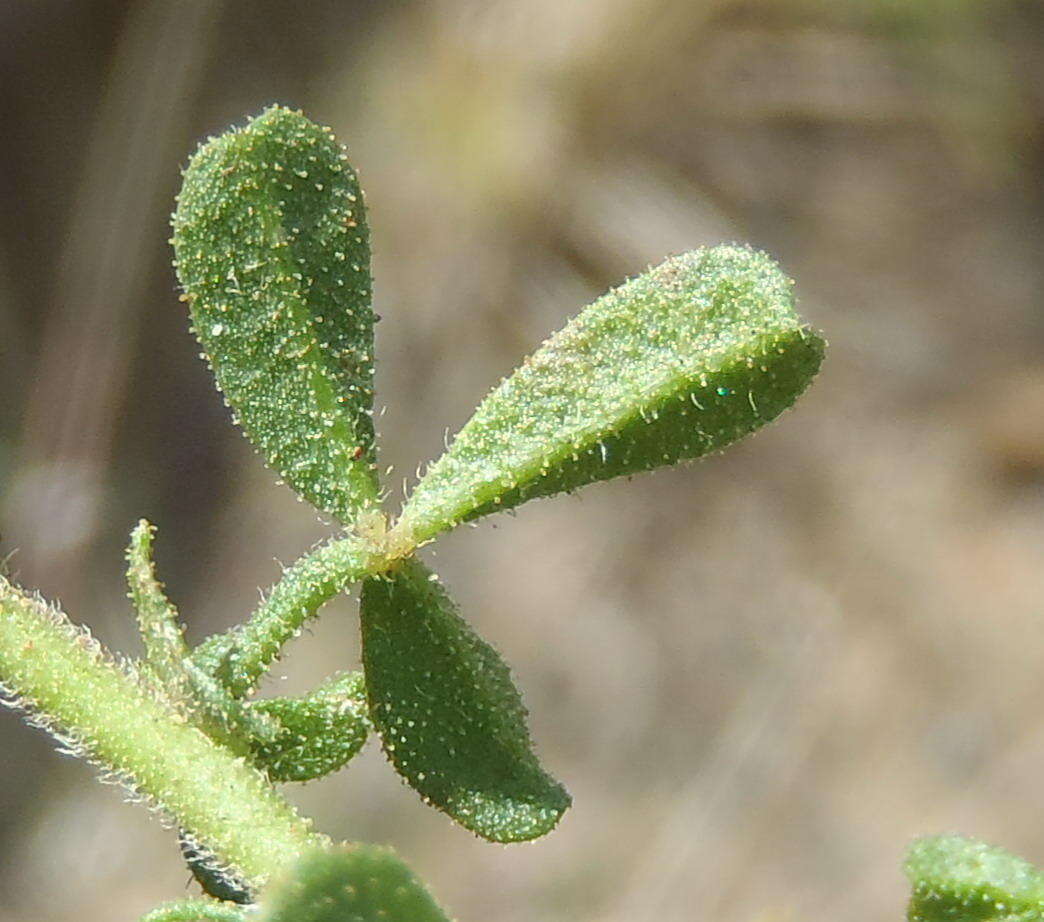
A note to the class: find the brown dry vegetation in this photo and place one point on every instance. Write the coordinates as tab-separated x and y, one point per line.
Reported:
759	677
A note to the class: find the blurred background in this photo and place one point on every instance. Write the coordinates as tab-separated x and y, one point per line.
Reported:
761	676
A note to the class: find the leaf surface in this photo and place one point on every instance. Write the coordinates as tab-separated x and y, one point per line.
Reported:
272	249
450	718
194	911
955	879
675	363
318	733
359	883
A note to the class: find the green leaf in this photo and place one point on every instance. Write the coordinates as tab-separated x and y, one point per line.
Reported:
358	883
161	632
318	733
964	880
673	364
450	718
272	249
194	911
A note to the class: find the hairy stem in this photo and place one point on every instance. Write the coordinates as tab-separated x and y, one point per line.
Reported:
64	677
164	639
239	658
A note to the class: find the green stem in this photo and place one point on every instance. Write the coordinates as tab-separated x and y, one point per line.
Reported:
65	678
239	658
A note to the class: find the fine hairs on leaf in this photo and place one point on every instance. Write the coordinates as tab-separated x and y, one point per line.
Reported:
450	718
195	911
676	363
955	879
318	733
272	250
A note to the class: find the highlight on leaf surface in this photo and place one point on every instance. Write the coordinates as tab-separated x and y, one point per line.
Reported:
676	363
955	879
318	733
272	249
360	883
450	719
194	911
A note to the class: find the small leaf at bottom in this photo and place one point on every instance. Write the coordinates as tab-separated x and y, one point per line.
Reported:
358	883
318	733
449	716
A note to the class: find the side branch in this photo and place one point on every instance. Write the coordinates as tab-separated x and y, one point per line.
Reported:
239	658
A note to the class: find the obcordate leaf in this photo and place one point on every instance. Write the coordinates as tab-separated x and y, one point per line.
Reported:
272	249
964	880
673	364
450	718
318	733
359	883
